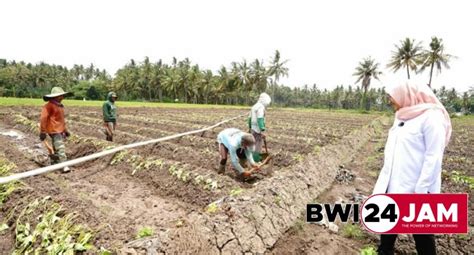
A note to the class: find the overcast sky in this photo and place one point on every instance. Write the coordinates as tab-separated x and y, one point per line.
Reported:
323	40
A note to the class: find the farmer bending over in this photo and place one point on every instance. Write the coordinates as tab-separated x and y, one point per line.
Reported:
109	111
52	123
239	145
256	122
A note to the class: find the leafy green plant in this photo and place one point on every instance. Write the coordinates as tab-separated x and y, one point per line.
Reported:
212	208
317	149
459	178
235	192
104	251
278	200
144	232
298	157
464	237
210	184
352	231
369	250
7	188
51	232
119	157
3	227
30	125
199	179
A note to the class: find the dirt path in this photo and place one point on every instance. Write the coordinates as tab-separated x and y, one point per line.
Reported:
354	181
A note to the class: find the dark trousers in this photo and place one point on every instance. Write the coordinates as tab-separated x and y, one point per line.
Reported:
425	244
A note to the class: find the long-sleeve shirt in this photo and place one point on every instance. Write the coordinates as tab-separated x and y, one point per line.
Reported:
109	111
413	155
257	118
231	138
52	118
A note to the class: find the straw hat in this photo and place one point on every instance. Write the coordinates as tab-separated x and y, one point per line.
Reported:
55	92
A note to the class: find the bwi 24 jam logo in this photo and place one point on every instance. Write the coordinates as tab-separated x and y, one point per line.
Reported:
400	213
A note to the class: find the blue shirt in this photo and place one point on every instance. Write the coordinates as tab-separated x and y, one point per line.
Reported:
231	138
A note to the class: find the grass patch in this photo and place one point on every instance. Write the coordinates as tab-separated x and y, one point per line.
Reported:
11	101
44	228
145	232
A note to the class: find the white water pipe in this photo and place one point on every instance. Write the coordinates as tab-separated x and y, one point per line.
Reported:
76	161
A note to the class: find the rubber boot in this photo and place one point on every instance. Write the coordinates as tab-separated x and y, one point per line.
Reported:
256	157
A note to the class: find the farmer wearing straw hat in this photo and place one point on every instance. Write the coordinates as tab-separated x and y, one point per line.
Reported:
109	111
52	123
240	146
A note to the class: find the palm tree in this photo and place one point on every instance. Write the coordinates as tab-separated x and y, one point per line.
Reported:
277	70
145	76
407	54
171	82
435	56
365	71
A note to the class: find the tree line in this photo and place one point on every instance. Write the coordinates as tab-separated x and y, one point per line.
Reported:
240	83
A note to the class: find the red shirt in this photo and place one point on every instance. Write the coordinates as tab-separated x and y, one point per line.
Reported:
52	118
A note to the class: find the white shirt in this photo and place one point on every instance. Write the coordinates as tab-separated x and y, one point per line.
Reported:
257	111
413	155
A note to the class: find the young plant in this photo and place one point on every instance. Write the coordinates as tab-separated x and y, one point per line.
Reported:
235	192
352	231
54	233
369	250
145	232
212	208
119	157
7	188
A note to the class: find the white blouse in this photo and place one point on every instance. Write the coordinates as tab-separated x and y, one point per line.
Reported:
413	155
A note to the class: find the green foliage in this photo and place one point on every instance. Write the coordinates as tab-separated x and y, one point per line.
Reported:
369	250
235	192
464	237
460	178
104	251
435	57
298	157
210	184
145	232
212	208
352	231
44	228
407	55
3	227
7	188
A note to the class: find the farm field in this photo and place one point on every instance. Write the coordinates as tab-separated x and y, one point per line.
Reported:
168	197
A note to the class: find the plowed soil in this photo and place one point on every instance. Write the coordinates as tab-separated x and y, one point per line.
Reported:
169	186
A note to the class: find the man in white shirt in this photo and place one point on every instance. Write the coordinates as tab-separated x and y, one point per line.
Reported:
256	122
